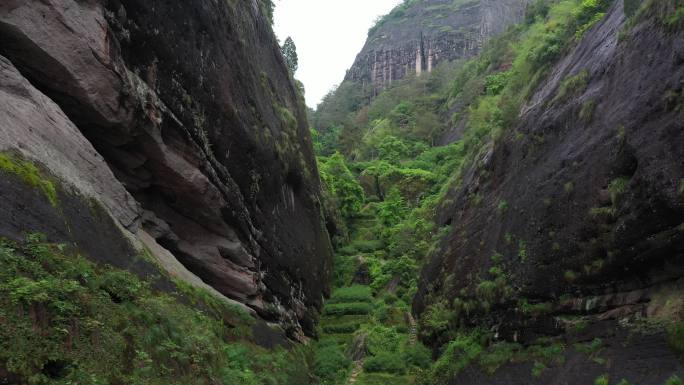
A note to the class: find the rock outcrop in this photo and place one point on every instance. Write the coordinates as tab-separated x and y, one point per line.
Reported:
594	226
181	121
419	35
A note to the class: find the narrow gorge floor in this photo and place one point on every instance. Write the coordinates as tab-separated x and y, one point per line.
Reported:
372	327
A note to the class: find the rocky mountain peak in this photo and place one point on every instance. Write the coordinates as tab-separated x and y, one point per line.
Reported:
419	34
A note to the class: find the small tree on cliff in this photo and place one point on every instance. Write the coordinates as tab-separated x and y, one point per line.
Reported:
270	7
289	50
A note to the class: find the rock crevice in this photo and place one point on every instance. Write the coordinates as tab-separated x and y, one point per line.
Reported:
192	108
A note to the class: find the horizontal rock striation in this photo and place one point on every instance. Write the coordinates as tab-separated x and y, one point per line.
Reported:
189	108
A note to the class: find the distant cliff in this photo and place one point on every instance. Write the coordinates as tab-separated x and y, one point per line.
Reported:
419	34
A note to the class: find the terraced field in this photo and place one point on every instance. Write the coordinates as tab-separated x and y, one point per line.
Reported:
367	336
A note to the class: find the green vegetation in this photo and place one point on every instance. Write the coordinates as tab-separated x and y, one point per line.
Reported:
331	365
617	188
587	111
388	144
352	308
66	320
269	8
572	85
395	14
289	50
674	380
30	174
602	380
387	362
356	293
675	337
667	13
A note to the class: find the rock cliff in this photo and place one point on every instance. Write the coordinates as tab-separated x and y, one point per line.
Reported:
173	126
418	35
583	204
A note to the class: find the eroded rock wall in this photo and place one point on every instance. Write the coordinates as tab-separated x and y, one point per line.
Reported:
593	222
427	33
190	108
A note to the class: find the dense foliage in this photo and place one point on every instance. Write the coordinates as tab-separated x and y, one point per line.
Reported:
289	50
393	146
65	320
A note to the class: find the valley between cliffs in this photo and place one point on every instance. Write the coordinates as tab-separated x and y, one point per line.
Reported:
493	195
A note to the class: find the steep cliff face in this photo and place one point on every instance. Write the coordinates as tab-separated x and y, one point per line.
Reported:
582	205
418	35
181	122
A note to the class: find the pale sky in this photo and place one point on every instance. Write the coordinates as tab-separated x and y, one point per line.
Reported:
328	35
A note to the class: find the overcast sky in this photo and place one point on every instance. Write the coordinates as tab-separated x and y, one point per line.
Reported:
328	35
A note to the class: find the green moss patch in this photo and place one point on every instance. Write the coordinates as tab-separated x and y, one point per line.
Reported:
30	174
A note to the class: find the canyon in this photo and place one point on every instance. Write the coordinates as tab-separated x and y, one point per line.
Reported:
493	195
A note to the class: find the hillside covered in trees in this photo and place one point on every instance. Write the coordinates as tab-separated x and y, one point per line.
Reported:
515	216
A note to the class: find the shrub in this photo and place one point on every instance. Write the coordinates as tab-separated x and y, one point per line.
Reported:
385	362
344	269
675	337
498	355
569	187
121	285
341	184
537	9
603	213
418	355
570	276
344	328
368	246
487	291
457	355
503	206
587	111
356	293
674	380
495	83
538	369
534	309
331	365
393	149
572	85
617	188
436	318
591	348
347	250
383	339
352	308
602	380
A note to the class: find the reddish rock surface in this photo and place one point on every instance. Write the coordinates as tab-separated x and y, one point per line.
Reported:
192	108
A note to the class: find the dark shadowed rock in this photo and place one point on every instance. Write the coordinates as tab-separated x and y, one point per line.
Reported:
192	108
570	238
